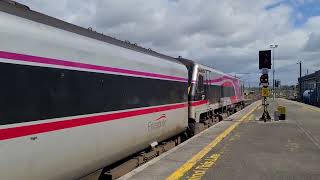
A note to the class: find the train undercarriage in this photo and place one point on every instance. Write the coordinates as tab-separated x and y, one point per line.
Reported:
209	118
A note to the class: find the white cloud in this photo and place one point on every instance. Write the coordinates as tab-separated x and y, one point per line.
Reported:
224	34
313	24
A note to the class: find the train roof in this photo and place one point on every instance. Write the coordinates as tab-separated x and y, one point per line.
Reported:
186	62
21	10
191	63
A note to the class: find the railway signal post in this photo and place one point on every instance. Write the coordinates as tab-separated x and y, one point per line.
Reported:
265	65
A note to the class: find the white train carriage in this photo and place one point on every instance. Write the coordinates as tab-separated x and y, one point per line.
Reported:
211	92
73	101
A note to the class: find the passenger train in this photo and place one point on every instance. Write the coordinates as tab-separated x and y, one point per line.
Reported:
73	101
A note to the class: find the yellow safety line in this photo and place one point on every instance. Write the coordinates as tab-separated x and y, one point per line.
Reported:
306	109
200	170
303	105
251	117
314	109
196	158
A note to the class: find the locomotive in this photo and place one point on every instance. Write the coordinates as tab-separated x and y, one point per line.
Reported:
73	101
210	93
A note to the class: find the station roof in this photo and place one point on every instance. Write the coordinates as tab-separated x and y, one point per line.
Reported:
313	76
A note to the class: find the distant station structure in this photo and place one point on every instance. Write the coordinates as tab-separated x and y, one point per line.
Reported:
310	88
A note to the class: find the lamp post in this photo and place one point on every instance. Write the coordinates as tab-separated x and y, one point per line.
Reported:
273	46
299	81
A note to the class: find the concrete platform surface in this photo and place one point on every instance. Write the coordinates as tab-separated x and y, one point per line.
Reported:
245	148
274	150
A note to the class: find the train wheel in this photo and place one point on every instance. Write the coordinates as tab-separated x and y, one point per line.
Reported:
191	129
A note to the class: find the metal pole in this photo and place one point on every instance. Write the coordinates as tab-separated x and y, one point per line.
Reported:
273	69
300	84
273	46
300	69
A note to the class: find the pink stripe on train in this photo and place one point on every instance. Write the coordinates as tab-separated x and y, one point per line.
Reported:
223	78
51	61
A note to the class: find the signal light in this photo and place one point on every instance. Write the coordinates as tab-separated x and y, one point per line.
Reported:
265	59
277	83
264	79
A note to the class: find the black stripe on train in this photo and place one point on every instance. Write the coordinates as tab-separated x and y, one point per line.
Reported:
30	93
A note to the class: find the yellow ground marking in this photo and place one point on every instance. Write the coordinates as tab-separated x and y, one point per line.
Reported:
234	137
196	158
311	108
200	170
303	105
251	117
307	109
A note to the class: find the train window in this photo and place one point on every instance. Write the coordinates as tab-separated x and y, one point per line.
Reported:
200	87
227	91
223	92
216	90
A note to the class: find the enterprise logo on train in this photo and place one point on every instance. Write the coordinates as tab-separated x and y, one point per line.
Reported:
157	123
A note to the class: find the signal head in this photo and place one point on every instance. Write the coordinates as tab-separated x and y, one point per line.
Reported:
265	59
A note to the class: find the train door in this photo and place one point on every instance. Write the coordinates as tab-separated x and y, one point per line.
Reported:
208	90
221	100
204	83
201	89
318	91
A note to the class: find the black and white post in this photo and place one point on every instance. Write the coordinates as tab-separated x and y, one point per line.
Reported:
265	65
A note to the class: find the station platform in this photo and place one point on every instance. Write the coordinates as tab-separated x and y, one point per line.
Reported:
242	147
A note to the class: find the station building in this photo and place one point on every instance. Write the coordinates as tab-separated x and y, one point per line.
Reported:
309	88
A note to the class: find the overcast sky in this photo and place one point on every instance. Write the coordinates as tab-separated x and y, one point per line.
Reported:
225	34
